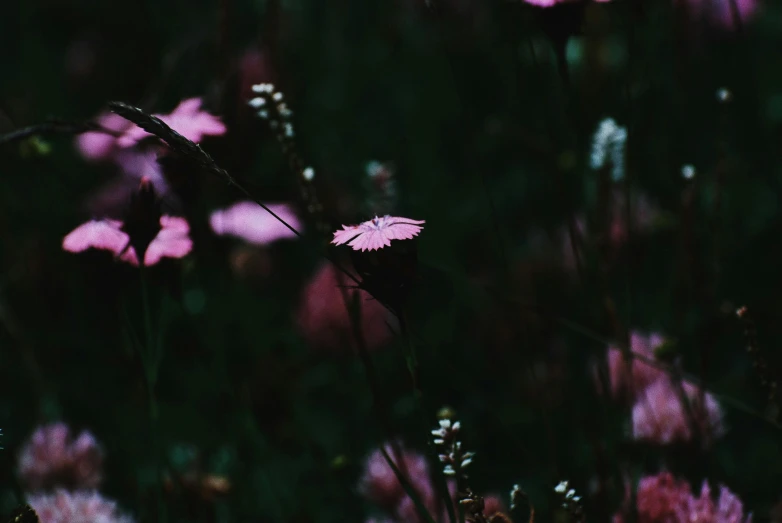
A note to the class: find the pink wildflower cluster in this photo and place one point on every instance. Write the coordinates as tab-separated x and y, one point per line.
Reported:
380	485
53	457
172	241
665	499
659	414
323	315
62	506
377	232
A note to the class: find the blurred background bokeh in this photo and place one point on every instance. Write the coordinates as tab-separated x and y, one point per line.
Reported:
458	112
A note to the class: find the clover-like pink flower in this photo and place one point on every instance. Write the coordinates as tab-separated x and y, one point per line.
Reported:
172	241
642	374
377	232
187	119
252	223
659	415
53	458
380	484
63	506
664	499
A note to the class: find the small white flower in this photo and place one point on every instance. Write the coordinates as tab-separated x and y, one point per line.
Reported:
457	426
257	103
466	462
688	172
570	493
277	97
449	471
724	95
445	423
263	114
608	143
308	173
561	488
288	130
577	498
439	441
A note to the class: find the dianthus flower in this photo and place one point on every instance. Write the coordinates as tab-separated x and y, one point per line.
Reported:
377	232
253	224
76	507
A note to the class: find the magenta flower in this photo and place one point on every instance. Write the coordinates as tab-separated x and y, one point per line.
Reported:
187	119
379	483
250	222
172	241
324	320
377	232
664	499
76	507
96	145
52	458
660	417
642	374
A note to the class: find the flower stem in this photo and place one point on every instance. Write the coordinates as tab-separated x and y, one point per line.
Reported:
150	360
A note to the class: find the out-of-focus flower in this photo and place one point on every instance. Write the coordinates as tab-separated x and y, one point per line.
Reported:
252	223
720	12
76	507
324	319
187	119
53	458
664	499
172	241
380	484
659	415
97	145
608	145
642	374
377	232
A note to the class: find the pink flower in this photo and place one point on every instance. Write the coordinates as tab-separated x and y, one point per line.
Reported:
379	483
51	457
172	241
323	317
643	374
377	232
664	499
76	507
95	145
187	119
720	12
660	417
250	222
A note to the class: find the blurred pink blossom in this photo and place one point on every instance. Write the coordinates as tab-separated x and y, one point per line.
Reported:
187	119
643	374
660	417
250	222
664	499
720	12
377	232
323	317
172	241
379	483
76	507
97	145
53	458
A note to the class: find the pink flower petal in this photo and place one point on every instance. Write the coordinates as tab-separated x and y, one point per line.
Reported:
252	223
97	234
98	145
187	119
173	241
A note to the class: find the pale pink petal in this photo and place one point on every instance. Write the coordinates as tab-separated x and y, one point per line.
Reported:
172	241
187	119
99	145
370	241
347	233
252	223
96	234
